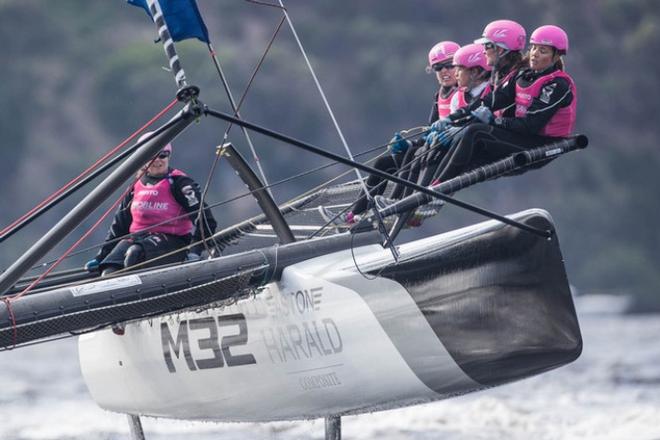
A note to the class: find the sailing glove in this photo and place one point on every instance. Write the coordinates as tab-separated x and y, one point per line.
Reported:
398	144
441	124
92	265
446	137
431	138
483	114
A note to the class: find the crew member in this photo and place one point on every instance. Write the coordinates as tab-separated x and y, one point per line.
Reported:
544	100
503	42
472	75
156	218
401	150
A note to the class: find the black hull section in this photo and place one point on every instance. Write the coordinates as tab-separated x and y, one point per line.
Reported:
499	301
156	292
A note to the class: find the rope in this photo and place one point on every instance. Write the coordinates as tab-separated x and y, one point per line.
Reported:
71	248
248	193
84	236
280	182
357	267
381	183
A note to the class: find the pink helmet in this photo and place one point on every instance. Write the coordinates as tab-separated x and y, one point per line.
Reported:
471	55
146	134
550	35
442	51
504	33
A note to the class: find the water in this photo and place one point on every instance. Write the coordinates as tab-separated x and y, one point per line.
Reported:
611	393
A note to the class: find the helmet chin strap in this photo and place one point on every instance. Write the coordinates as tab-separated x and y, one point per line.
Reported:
495	76
499	57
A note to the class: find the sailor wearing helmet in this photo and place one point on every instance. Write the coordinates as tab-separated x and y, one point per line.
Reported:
155	221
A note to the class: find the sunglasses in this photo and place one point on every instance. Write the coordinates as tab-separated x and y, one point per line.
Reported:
489	46
439	66
163	155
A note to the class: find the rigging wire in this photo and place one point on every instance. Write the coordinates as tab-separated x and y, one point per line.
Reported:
187	247
322	93
265	4
236	108
84	236
336	124
357	267
345	209
280	182
248	193
537	156
236	111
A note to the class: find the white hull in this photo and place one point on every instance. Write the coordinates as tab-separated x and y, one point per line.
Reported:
322	341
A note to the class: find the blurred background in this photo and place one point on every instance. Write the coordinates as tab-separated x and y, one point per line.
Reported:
79	77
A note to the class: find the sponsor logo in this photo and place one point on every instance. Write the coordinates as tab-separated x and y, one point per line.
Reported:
148	192
151	206
104	286
319	381
155	239
312	338
547	92
298	302
474	58
189	194
553	152
206	333
500	33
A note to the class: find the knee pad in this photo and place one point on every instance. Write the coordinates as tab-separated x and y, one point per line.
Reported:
134	255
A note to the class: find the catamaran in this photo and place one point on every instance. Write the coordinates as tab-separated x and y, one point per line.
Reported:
299	318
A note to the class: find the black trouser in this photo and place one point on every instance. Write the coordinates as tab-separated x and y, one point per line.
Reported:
478	144
390	163
152	245
408	166
415	163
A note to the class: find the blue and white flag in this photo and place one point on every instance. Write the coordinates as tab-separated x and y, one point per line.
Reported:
182	17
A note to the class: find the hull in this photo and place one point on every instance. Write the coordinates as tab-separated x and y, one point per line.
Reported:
462	311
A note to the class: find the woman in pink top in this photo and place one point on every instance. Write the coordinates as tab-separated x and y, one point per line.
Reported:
542	97
156	218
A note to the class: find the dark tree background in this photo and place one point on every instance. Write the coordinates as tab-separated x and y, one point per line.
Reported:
78	77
